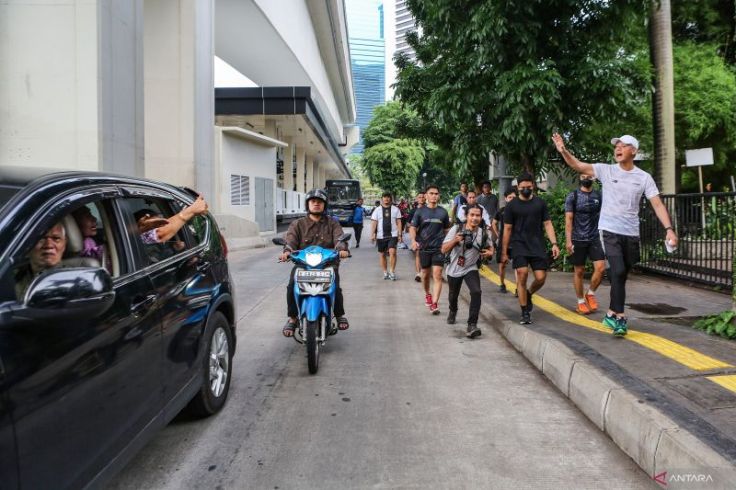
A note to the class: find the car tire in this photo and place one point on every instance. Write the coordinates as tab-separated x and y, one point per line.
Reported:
216	364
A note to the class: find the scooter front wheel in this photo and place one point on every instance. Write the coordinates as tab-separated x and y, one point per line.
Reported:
312	346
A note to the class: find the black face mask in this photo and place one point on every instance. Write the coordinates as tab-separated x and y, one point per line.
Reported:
587	183
526	192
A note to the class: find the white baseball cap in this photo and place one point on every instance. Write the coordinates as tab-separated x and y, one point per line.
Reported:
626	139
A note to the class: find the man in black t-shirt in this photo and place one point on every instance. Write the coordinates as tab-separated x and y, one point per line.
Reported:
582	210
428	228
497	230
525	221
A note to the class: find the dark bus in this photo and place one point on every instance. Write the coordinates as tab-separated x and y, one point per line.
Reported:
342	195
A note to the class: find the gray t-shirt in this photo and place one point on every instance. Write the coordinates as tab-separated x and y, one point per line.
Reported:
471	255
622	191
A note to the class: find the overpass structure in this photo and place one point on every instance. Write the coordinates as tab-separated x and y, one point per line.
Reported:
129	87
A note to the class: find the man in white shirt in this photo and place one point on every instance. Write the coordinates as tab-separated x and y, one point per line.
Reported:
386	226
623	186
471	196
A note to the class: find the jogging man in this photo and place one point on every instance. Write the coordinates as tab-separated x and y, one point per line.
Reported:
428	228
497	230
358	214
582	209
623	186
459	200
488	200
419	202
386	223
525	220
467	244
472	201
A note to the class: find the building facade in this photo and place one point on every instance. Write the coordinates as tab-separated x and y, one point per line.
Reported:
399	22
367	57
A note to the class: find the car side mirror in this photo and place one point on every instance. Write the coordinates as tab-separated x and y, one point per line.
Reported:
84	292
279	241
345	237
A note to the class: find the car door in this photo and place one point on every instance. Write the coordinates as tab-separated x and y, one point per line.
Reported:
81	388
180	273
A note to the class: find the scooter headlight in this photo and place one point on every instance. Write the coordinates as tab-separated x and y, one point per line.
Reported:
313	259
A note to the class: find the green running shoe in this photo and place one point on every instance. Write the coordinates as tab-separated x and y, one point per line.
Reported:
609	321
621	327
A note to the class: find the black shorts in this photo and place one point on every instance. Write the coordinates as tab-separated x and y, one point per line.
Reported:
615	245
536	263
384	244
429	258
581	251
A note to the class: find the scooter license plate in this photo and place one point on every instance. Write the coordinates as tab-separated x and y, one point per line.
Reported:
313	276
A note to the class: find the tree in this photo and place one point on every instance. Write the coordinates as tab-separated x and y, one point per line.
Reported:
394	165
504	74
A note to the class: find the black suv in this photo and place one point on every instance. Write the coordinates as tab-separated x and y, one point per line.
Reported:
104	346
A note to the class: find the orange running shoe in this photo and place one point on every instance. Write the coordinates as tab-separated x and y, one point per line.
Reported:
583	309
592	302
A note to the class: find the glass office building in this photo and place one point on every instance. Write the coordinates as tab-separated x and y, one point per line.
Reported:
365	35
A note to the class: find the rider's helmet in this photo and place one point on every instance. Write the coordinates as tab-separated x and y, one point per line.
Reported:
315	194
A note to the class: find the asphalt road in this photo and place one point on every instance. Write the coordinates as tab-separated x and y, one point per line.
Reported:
401	400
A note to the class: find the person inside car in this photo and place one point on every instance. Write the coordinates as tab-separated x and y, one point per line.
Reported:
46	254
88	228
155	229
314	229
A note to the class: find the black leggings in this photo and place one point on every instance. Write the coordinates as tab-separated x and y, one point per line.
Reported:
292	310
622	253
472	280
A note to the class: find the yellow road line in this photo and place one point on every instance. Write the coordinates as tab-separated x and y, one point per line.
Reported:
667	348
727	381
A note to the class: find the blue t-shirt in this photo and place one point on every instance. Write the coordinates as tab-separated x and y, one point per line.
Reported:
358	214
586	207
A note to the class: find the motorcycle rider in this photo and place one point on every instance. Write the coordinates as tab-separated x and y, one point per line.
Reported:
316	228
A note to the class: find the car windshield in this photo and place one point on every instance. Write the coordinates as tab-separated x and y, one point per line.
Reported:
343	193
6	192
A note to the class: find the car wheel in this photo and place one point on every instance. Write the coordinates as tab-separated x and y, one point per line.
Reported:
216	368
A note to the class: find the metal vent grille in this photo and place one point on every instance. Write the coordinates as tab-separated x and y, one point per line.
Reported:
239	190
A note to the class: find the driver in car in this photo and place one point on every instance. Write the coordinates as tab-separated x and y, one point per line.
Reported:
316	228
46	254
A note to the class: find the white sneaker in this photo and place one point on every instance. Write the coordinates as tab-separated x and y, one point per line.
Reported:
392	276
385	276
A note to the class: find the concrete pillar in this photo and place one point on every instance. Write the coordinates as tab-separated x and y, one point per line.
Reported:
289	166
310	172
300	164
179	106
71	87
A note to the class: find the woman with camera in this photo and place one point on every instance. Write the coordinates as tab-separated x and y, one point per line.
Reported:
467	245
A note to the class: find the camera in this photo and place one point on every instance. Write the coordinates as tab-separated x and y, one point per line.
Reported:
468	238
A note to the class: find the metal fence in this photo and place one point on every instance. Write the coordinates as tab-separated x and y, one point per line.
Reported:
706	227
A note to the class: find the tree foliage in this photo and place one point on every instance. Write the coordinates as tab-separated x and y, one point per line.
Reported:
504	74
394	165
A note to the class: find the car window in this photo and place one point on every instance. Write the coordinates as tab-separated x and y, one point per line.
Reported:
197	226
81	238
6	192
152	217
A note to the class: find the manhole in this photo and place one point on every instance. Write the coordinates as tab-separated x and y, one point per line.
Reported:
656	308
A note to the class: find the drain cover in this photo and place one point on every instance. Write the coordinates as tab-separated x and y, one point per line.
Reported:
656	308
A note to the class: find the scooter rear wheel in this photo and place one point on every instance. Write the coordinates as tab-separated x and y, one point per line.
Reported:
312	346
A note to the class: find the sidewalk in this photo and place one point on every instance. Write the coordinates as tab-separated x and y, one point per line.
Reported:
666	393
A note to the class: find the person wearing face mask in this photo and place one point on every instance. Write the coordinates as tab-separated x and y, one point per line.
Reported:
525	221
624	184
582	210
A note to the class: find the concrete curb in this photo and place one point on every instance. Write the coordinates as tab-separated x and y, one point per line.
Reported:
655	442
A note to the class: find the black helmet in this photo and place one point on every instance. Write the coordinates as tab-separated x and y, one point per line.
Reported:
315	194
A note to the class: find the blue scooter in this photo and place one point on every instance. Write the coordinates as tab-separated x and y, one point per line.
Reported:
314	290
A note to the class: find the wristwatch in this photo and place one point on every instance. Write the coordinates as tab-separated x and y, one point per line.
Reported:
668	228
